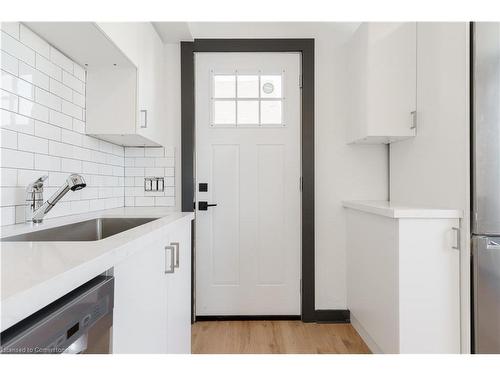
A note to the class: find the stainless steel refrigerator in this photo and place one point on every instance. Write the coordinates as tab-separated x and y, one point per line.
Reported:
486	186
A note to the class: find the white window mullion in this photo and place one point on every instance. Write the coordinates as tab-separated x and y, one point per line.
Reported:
242	109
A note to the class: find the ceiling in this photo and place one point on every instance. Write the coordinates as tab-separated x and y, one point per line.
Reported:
173	32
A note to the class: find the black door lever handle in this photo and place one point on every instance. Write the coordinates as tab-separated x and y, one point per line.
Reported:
203	206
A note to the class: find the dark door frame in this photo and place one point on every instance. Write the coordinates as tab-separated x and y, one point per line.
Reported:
306	48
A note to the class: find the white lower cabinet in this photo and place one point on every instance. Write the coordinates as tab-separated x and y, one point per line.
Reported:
152	312
140	312
179	292
403	282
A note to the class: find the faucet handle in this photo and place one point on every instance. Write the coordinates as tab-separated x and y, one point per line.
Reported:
38	183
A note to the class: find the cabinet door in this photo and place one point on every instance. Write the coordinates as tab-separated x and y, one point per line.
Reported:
141	44
179	292
149	81
140	311
382	71
145	78
392	80
429	286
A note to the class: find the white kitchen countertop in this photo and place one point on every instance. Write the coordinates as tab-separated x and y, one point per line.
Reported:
389	209
34	274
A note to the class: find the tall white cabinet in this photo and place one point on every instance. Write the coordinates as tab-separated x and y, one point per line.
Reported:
382	82
433	168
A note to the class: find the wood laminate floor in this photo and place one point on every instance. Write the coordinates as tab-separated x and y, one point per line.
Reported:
275	337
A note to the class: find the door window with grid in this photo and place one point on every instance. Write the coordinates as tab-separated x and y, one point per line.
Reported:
247	100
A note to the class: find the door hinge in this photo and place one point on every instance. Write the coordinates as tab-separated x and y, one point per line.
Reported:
300	80
301	183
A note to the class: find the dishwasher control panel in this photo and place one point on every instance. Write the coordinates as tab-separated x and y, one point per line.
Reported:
77	328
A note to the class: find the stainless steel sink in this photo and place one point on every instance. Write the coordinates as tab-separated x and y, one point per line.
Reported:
90	230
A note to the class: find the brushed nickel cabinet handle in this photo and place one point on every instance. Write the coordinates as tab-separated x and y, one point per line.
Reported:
144	118
457	246
172	254
413	123
176	245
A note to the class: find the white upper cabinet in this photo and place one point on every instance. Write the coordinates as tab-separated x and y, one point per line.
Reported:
125	77
125	36
382	83
140	43
150	83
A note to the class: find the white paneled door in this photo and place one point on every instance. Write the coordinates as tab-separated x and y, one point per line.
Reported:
248	168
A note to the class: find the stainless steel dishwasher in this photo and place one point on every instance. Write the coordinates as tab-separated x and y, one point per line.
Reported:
79	322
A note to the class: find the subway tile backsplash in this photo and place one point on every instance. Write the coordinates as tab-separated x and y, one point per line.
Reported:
149	162
43	133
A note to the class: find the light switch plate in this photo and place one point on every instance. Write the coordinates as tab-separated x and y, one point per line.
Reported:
154	184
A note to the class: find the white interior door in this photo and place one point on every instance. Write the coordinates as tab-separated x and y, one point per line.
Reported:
248	154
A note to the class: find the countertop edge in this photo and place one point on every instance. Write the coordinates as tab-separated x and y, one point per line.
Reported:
385	208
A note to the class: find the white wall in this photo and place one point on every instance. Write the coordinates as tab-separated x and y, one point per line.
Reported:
432	169
342	172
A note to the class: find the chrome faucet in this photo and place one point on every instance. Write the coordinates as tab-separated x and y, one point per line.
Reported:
36	209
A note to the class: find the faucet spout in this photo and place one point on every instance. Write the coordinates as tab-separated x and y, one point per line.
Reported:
74	182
